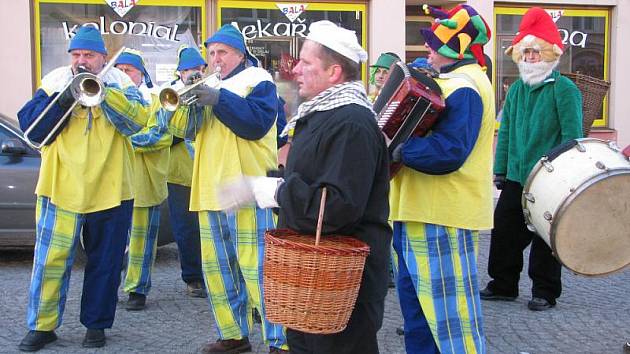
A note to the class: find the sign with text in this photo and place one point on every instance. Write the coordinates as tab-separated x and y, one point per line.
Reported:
121	7
292	11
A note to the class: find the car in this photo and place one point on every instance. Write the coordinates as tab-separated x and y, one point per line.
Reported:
19	170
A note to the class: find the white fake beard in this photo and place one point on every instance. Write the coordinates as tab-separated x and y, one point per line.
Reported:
535	73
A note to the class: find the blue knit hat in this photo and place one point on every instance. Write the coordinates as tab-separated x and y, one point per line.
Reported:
421	63
134	58
189	58
88	38
230	35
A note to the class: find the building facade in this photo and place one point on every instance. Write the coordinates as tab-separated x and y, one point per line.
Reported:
37	32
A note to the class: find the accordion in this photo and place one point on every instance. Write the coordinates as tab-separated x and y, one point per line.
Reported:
409	104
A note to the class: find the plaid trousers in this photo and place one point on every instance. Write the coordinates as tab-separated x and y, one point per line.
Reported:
142	248
232	251
438	289
58	233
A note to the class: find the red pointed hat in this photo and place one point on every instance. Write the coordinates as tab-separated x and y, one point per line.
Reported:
538	23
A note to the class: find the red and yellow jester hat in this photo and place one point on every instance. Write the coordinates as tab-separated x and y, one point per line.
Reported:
458	34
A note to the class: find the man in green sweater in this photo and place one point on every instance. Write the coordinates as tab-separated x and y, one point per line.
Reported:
542	110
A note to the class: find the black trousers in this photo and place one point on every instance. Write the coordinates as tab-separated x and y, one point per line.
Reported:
510	237
359	337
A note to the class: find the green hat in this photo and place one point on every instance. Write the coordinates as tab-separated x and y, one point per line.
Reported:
385	60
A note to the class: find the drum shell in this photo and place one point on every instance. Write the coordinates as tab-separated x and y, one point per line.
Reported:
578	204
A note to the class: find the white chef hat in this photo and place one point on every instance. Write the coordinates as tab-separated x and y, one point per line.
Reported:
338	39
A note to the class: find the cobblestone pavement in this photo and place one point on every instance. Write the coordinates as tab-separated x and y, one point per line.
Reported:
592	316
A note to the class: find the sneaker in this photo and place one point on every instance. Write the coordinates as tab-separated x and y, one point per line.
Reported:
227	346
94	338
626	348
539	304
136	302
487	294
36	340
196	289
274	350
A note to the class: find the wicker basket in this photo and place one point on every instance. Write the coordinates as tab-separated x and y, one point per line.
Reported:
593	92
312	285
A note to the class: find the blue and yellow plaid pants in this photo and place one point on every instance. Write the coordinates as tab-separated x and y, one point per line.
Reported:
142	249
232	251
58	232
438	289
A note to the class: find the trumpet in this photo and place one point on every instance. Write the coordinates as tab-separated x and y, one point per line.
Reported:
87	90
170	98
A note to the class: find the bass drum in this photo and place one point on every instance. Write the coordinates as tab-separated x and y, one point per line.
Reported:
577	198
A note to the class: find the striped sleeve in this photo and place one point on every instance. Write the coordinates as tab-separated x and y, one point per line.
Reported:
125	109
186	121
155	135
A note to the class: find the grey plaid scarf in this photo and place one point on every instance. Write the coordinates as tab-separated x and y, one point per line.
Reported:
333	97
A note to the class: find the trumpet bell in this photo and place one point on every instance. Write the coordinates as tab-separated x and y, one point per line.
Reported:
87	89
169	99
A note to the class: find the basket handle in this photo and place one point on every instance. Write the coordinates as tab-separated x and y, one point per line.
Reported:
320	217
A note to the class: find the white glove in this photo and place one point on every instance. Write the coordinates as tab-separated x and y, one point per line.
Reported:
236	194
264	189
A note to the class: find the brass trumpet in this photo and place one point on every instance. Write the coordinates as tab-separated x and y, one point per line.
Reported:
86	88
170	98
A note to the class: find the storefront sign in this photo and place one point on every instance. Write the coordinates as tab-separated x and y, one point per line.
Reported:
575	38
149	29
121	7
259	29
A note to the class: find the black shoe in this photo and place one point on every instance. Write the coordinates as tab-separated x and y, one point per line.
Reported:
136	302
36	340
196	289
539	304
487	294
626	347
94	338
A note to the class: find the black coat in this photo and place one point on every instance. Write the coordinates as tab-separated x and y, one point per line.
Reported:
343	150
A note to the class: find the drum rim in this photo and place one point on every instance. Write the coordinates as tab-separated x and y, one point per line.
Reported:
539	165
563	207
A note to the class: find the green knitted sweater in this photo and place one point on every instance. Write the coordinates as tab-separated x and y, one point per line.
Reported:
535	119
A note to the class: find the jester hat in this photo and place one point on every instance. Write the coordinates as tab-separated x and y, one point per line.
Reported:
458	34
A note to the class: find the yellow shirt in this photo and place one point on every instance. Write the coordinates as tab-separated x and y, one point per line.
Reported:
180	165
88	169
220	155
152	164
464	198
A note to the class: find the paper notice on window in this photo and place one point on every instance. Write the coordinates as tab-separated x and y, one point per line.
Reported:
165	72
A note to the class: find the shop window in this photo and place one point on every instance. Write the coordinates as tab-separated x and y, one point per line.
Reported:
275	33
585	34
414	41
156	27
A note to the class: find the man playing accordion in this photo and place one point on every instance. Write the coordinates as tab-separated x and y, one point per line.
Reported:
443	194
